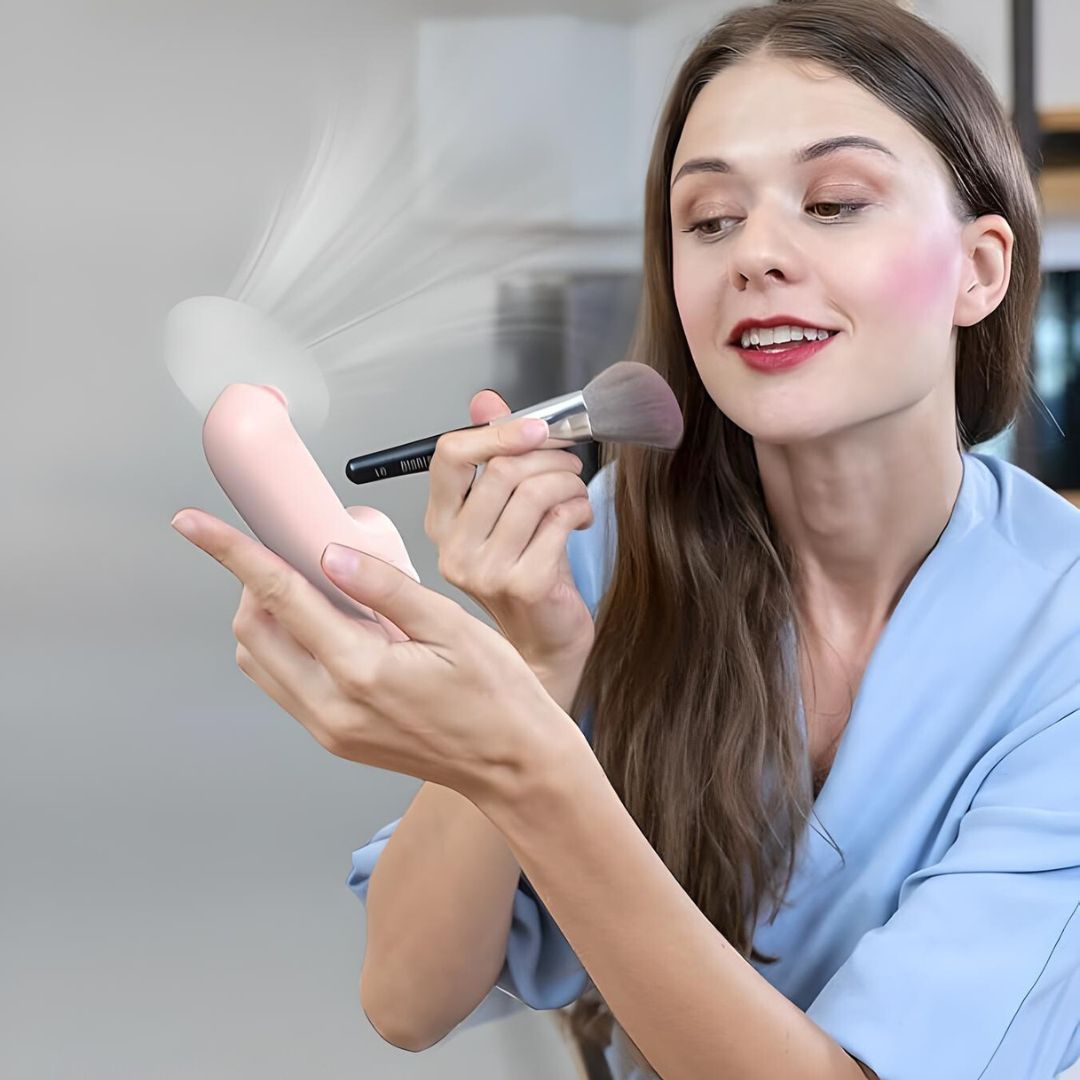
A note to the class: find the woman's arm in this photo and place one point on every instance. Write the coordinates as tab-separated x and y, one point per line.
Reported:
457	705
439	907
693	1006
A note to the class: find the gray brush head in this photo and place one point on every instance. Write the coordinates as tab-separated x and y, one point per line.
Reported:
631	403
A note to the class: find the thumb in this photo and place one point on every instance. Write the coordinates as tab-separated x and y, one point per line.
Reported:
486	406
424	615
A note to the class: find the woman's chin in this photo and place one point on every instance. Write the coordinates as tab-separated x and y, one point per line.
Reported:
780	419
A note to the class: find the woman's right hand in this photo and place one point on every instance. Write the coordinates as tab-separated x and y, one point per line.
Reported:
501	537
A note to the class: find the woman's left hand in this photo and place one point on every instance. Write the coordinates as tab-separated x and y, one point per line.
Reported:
456	704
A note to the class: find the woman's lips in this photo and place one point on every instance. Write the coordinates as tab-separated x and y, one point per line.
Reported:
789	356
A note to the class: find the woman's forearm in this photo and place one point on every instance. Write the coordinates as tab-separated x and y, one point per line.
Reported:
439	905
692	1004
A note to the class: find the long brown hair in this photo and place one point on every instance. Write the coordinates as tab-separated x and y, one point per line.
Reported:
693	697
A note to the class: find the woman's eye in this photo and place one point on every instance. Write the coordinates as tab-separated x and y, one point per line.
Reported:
708	227
713	228
837	211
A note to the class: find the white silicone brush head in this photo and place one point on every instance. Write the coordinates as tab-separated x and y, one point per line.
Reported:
211	341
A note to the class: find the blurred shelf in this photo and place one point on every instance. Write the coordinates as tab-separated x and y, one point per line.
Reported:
1059	146
1060	187
1060	119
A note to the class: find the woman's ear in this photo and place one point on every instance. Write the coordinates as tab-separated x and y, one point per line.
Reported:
987	267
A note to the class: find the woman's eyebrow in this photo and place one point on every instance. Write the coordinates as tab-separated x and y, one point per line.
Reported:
815	150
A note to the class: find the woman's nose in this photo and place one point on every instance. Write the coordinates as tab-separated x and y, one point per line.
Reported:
762	250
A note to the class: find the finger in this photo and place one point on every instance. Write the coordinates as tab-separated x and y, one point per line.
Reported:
548	547
424	615
277	588
485	406
529	503
377	525
457	455
272	645
298	709
266	682
491	496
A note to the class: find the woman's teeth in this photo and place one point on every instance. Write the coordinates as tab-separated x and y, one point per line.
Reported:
782	335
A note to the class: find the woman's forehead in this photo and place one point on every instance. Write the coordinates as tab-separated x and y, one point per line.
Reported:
763	110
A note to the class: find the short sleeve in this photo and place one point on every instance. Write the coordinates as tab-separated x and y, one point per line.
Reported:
541	970
977	974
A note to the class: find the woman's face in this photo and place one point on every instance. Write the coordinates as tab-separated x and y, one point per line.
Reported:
771	235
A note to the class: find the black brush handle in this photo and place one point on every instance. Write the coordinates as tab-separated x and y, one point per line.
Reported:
403	460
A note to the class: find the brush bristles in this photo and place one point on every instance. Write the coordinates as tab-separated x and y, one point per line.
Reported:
631	403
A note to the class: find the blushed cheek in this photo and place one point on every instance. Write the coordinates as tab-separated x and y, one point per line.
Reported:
912	283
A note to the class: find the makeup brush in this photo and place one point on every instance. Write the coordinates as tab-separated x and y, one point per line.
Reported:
626	403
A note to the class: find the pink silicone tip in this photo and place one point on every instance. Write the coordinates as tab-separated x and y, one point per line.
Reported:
276	392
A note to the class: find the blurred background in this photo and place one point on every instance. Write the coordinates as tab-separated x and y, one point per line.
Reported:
175	846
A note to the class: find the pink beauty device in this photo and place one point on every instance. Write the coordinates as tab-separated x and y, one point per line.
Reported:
273	481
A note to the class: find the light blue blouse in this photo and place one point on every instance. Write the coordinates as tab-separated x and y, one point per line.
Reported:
945	943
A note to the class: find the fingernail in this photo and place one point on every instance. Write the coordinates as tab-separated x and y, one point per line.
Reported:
340	560
535	428
184	525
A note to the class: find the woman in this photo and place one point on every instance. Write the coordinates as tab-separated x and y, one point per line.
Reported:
826	657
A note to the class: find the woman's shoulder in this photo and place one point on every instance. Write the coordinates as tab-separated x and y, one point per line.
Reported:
1035	521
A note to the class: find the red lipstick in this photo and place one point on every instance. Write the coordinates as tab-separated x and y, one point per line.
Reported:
780	357
786	356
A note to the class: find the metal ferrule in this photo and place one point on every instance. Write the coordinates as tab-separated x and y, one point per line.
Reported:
567	417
